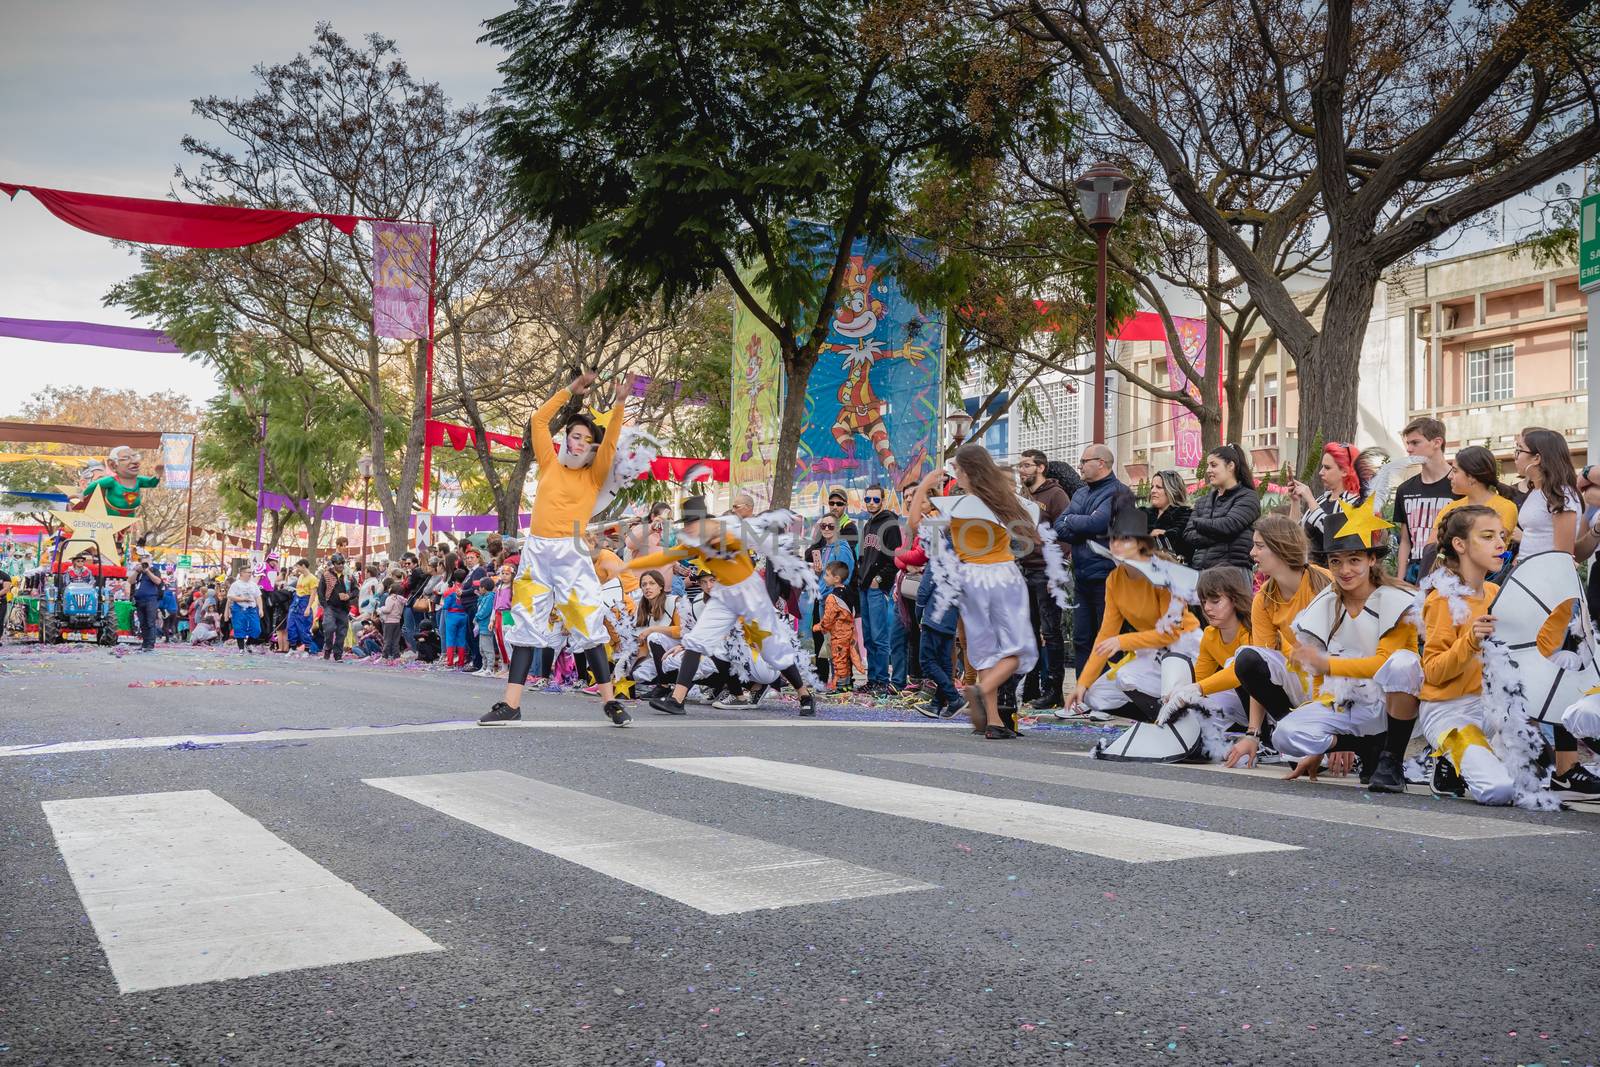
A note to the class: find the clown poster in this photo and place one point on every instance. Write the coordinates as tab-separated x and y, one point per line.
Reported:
873	401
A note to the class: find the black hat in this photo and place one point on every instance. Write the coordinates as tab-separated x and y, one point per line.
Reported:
694	509
1356	528
1129	521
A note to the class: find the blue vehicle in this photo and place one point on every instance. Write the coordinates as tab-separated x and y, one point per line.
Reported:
77	604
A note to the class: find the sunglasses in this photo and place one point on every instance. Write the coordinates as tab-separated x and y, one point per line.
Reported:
836	503
827	526
872	499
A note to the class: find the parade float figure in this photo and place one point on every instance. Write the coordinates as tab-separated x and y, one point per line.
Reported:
123	488
861	410
556	599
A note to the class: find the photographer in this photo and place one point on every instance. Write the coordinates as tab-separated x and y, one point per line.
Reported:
146	585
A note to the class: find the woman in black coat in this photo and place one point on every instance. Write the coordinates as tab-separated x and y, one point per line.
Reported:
1168	512
1220	527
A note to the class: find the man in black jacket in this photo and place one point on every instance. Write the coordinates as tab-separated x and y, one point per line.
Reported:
881	629
338	593
1043	685
416	578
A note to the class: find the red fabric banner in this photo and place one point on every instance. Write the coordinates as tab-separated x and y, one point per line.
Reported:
462	437
1144	326
675	468
167	222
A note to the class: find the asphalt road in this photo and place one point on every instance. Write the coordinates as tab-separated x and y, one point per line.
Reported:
591	901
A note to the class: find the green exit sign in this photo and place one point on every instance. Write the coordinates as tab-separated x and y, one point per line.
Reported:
183	562
1589	242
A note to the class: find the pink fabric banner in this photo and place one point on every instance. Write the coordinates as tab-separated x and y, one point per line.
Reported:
1187	447
400	280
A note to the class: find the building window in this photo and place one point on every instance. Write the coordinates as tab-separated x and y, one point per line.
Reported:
1580	360
1269	402
1491	374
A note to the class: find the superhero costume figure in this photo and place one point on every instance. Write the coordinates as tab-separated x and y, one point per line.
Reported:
124	487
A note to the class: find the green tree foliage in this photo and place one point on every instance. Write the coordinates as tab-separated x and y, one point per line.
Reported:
686	139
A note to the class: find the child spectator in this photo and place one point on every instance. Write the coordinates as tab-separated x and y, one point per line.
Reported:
427	642
483	623
455	621
839	624
391	614
370	641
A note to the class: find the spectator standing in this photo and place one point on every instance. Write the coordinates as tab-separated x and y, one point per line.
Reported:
1344	475
147	586
1087	521
1168	513
1422	496
1221	521
371	588
467	597
391	615
1042	686
829	547
881	629
416	578
338	595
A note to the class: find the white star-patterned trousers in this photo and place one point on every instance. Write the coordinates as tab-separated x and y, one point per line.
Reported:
732	607
551	571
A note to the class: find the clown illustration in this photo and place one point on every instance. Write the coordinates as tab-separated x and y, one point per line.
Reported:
861	411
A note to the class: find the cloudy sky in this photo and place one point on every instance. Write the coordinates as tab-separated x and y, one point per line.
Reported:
97	98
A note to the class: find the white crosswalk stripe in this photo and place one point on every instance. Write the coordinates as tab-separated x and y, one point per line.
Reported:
708	869
184	888
1109	836
1400	818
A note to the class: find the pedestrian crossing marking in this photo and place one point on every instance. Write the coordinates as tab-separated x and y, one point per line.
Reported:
183	888
1399	818
711	870
1109	836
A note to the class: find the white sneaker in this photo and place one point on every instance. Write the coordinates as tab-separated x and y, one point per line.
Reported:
1099	716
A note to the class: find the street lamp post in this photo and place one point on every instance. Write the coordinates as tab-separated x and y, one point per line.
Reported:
960	423
364	464
1103	194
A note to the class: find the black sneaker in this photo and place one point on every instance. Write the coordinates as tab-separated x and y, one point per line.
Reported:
668	706
1048	702
501	712
1577	780
808	706
998	733
617	713
1388	775
1367	750
954	708
655	692
1446	782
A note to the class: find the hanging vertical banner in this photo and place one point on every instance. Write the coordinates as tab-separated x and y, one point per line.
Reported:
1187	447
400	280
177	460
422	525
757	399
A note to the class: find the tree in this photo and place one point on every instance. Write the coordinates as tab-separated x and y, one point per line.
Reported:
343	129
1393	122
686	141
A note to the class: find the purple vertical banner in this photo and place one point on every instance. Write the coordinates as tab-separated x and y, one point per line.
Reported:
1186	443
400	280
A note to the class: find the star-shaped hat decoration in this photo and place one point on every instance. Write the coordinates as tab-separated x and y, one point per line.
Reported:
755	636
603	419
574	613
1361	522
96	524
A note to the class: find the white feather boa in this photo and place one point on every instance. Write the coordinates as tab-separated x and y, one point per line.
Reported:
1055	567
1518	742
636	450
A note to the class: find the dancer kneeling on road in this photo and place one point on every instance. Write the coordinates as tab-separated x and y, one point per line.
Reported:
739	600
555	596
1358	643
1156	623
1215	693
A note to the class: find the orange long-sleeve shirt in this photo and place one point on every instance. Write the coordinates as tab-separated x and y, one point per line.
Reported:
1271	626
729	571
565	498
1132	600
1215	652
1450	664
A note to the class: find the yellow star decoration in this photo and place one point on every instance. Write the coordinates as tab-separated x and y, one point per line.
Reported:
574	613
523	590
1361	522
622	687
95	524
603	419
755	636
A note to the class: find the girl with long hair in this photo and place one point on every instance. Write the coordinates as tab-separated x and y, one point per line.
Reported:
1219	526
1262	668
1343	475
989	523
1456	621
1226	603
1169	513
1142	624
658	624
1358	645
1475	479
1549	516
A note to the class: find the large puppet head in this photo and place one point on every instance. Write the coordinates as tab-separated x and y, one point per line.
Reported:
124	462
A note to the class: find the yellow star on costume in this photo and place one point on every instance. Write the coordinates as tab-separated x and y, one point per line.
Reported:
95	524
622	687
755	636
574	613
1361	522
523	590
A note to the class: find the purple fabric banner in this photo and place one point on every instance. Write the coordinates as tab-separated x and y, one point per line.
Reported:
400	280
374	517
89	333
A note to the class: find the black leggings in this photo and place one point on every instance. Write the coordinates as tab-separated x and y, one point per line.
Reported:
1255	678
522	657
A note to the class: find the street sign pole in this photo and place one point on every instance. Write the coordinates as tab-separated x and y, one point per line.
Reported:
1589	283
